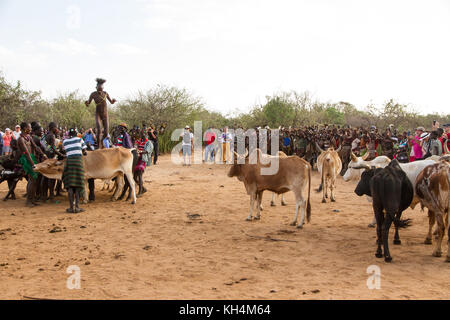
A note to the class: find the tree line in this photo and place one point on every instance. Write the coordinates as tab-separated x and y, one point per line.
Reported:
176	107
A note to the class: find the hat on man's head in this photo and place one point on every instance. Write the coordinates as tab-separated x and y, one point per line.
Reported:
187	127
420	129
123	124
424	135
18	126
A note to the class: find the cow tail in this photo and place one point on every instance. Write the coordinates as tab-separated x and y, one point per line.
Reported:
308	204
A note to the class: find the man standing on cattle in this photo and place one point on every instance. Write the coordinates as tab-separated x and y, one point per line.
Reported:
73	174
101	112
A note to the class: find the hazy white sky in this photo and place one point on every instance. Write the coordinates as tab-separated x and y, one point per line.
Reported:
234	52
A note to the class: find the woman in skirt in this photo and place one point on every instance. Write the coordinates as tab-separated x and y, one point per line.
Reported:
73	174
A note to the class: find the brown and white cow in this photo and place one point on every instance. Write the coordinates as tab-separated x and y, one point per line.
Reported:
293	174
98	164
433	191
329	165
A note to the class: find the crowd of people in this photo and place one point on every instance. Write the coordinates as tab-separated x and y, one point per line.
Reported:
31	143
406	146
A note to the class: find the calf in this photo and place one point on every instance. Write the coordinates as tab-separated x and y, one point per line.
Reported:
433	190
329	165
392	193
293	174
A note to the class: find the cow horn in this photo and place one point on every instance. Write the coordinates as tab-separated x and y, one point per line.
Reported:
320	149
363	166
246	152
339	149
354	157
365	156
446	148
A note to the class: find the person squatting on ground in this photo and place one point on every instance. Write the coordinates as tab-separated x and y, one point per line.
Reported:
73	174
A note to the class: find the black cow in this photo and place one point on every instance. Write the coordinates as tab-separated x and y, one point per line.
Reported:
12	177
392	193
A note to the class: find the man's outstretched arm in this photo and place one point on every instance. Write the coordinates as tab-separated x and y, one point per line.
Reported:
91	97
112	101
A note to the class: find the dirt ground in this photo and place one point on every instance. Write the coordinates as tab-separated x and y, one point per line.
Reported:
154	250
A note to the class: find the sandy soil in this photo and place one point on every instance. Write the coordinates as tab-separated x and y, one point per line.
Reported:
153	250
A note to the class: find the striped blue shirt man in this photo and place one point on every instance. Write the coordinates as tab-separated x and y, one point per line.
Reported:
74	147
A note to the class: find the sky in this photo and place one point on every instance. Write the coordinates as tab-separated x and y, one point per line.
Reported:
233	53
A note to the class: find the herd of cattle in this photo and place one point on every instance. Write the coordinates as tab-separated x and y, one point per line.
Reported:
391	186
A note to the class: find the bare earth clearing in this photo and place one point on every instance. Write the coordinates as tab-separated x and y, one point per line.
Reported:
154	250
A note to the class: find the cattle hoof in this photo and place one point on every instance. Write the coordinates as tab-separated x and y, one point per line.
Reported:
372	225
284	204
333	200
428	241
134	202
248	219
272	204
300	226
397	242
324	201
293	223
257	218
437	254
388	259
448	259
379	255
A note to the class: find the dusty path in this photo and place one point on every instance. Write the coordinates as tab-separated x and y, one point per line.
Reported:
153	250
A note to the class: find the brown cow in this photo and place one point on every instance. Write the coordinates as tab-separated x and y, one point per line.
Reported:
433	191
329	165
98	164
293	174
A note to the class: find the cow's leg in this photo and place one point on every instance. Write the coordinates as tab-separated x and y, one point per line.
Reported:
85	192
258	205
129	175
51	189
431	221
379	223
300	203
283	203
385	229
272	203
439	234
448	236
332	186
120	185
397	240
10	188
252	203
